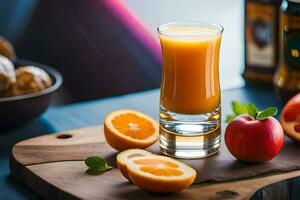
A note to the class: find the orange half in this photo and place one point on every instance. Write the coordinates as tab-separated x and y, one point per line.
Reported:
127	129
125	156
160	173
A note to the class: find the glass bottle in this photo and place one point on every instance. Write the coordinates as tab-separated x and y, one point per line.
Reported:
261	40
287	77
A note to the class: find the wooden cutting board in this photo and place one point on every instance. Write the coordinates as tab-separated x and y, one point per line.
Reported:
53	167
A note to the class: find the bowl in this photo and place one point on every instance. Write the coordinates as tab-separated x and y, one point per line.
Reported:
17	110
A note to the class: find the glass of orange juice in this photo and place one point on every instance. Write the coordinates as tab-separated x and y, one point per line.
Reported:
190	98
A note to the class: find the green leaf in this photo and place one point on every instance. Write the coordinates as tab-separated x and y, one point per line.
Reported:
239	108
268	112
96	165
92	171
229	118
95	162
252	109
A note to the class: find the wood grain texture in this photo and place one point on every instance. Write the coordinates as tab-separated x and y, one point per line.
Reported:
54	168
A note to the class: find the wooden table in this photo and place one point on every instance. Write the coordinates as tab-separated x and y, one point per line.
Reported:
92	113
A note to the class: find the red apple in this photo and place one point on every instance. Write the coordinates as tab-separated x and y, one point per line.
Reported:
253	140
290	118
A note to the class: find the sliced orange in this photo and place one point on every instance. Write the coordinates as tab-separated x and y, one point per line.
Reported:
160	173
127	129
124	156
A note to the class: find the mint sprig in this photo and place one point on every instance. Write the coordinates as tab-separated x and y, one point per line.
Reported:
250	109
96	165
268	112
239	108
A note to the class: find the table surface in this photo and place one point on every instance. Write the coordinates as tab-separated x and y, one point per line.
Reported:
92	113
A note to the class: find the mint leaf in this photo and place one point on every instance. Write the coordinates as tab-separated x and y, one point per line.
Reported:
239	108
268	112
94	172
229	118
252	109
96	165
95	162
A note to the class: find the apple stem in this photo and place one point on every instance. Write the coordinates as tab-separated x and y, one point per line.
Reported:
255	116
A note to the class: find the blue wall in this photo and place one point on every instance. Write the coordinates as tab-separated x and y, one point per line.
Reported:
14	16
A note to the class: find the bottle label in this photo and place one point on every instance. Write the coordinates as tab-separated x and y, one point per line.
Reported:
292	48
260	29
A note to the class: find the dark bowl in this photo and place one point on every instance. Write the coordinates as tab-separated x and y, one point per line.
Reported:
17	110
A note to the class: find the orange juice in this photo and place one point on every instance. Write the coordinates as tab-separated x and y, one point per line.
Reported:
190	114
190	72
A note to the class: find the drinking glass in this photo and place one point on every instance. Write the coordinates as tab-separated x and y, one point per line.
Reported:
190	99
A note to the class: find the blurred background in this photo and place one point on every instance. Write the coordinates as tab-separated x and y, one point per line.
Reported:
110	47
107	48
